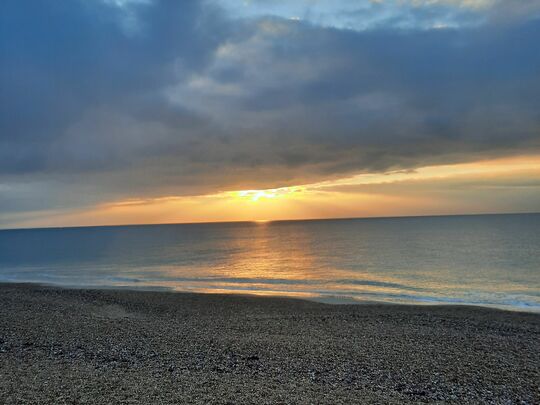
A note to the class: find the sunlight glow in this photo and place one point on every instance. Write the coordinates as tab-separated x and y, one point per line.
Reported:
256	195
430	190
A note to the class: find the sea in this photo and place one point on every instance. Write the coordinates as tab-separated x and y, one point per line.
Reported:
485	260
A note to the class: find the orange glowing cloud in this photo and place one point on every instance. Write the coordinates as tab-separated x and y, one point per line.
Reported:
500	185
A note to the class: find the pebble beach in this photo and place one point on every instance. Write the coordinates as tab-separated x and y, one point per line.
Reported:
122	346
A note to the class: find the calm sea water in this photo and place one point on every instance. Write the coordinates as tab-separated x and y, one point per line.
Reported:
491	260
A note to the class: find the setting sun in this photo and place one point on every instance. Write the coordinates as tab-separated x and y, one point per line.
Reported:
256	195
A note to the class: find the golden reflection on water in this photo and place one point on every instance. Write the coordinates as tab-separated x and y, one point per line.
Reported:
343	261
266	261
263	254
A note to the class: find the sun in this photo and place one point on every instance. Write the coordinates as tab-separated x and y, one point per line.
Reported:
256	195
271	193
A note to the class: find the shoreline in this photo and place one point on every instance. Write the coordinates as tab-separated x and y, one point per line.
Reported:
323	299
60	345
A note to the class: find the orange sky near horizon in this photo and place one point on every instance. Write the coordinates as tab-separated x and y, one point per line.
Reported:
490	186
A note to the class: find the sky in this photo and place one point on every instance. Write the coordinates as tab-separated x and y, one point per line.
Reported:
159	111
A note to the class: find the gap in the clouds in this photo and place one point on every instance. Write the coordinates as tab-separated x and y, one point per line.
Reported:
366	14
465	188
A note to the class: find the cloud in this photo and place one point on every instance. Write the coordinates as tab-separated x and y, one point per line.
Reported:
369	101
103	100
364	15
63	61
436	190
360	15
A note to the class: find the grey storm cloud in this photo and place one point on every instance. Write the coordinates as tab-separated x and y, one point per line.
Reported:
104	99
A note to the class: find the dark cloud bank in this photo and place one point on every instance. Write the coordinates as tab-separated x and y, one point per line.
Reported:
101	101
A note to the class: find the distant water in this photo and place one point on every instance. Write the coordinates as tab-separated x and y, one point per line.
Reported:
490	260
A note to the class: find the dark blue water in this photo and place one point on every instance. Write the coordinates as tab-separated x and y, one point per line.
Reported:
491	260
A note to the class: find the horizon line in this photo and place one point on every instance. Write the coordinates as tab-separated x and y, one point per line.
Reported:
261	221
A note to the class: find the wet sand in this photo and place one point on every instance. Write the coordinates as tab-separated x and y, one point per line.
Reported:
118	346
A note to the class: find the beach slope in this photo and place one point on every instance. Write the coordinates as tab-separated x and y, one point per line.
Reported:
111	346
